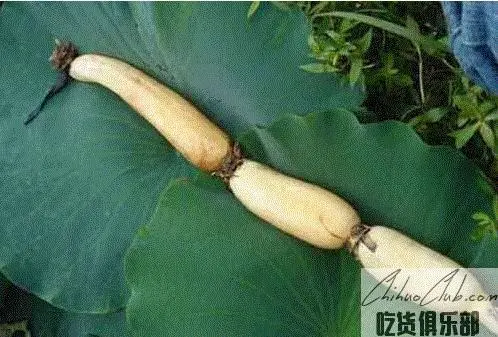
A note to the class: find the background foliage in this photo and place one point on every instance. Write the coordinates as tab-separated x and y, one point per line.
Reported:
244	65
398	51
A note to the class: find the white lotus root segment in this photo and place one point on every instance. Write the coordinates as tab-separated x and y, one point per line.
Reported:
182	124
306	211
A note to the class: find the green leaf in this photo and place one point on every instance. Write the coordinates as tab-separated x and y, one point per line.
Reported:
486	106
461	121
209	265
412	26
487	135
347	25
320	7
318	68
462	136
467	105
493	116
364	42
445	41
480	216
485	225
433	115
338	37
428	43
355	71
252	9
79	180
404	80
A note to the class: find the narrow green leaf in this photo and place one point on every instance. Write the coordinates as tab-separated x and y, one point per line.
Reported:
491	116
417	120
347	25
435	115
481	216
486	106
430	116
429	44
252	9
466	101
313	44
467	106
487	135
319	7
355	71
461	121
412	26
485	225
364	42
476	90
405	80
335	35
463	136
445	41
319	68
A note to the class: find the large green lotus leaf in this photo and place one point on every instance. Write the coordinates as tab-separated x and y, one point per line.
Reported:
79	180
204	266
240	72
44	320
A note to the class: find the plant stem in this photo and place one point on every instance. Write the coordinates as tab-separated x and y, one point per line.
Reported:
62	80
449	65
420	74
407	112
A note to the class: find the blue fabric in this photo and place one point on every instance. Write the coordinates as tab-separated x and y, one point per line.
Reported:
474	39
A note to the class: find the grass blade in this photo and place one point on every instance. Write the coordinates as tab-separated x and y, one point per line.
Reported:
426	43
